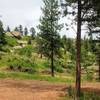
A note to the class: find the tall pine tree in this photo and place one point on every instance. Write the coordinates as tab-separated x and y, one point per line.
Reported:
84	11
49	31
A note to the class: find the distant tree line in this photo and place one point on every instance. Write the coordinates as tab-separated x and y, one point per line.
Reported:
23	31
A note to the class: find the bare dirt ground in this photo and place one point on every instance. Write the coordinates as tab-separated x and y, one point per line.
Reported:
30	90
36	90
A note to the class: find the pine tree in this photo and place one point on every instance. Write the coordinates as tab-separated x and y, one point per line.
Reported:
25	31
32	30
2	35
21	29
8	29
49	29
68	44
64	43
16	29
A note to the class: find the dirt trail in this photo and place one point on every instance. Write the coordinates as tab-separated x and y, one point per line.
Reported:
30	90
36	90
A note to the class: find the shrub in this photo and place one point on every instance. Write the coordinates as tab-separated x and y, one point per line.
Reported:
58	69
26	51
19	64
11	41
89	76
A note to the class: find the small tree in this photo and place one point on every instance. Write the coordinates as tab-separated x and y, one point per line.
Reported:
8	29
32	30
21	29
68	45
16	29
25	31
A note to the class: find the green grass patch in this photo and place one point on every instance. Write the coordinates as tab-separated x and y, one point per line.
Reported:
26	76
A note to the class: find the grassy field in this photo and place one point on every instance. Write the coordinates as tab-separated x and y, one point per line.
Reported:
26	76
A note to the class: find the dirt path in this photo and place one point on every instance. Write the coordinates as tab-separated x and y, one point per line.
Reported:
30	90
36	90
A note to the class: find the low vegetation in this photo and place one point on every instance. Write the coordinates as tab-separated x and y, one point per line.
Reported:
27	76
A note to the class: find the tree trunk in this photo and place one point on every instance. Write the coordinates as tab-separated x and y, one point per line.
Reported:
41	56
78	46
52	65
52	47
99	68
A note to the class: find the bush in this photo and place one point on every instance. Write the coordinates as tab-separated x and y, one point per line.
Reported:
29	70
26	51
11	41
20	64
71	68
58	69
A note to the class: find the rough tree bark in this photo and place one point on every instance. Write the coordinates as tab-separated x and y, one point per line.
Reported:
78	46
52	65
99	68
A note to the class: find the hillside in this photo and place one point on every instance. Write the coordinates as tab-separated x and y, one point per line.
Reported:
21	55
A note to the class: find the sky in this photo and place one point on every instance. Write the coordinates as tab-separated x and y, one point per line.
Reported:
26	13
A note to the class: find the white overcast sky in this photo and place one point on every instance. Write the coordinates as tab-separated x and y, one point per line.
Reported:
26	13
